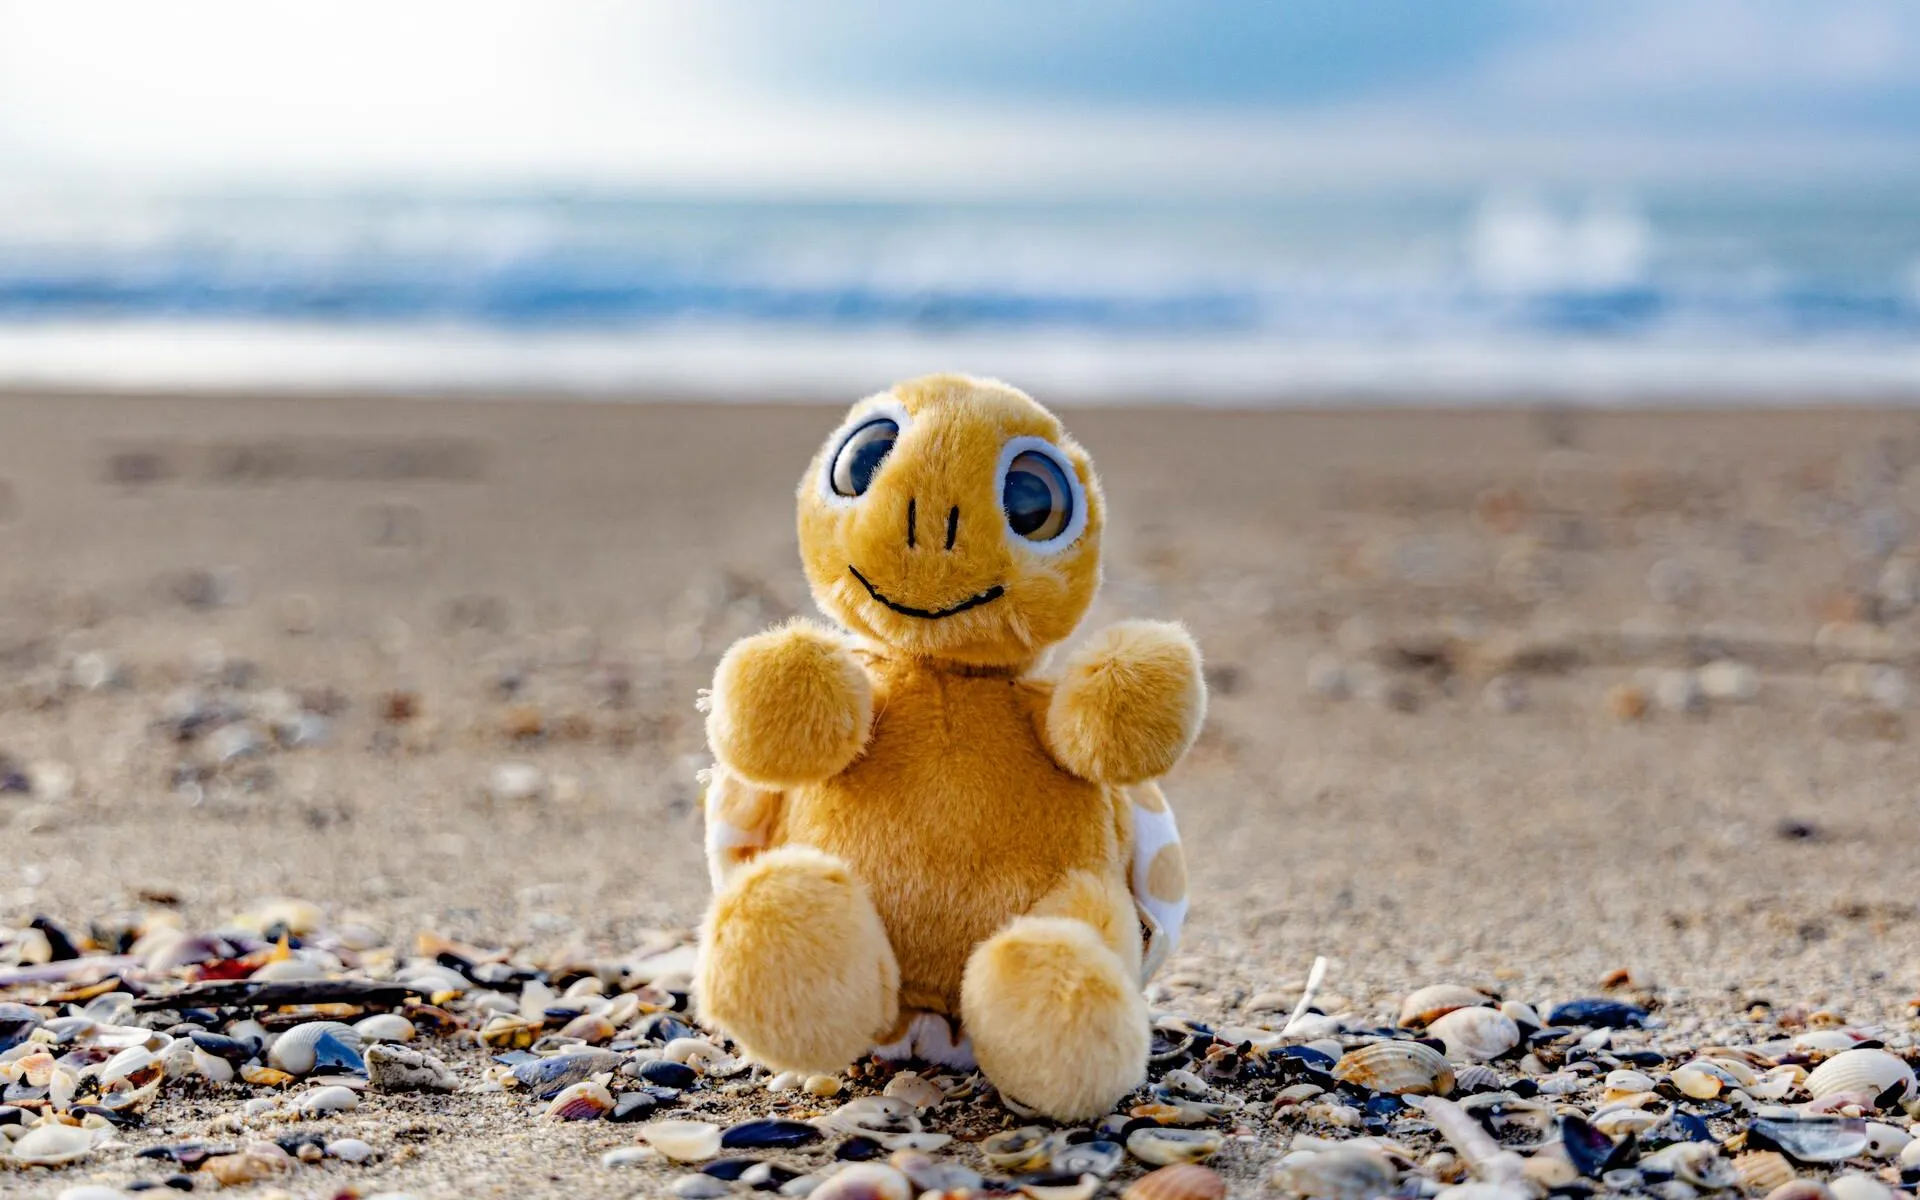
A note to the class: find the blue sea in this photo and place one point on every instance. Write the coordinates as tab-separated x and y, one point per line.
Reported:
1493	295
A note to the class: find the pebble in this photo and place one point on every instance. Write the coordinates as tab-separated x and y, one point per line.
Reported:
351	1150
328	1100
630	1156
403	1069
824	1086
516	782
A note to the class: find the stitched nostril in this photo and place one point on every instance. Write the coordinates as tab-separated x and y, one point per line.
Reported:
910	507
953	525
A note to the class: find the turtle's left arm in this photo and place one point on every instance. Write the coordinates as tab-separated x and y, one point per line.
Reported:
1128	704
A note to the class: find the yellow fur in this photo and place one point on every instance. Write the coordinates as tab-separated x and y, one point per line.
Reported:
940	822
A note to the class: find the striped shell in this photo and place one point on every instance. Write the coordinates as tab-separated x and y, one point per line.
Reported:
1399	1068
1871	1071
1181	1181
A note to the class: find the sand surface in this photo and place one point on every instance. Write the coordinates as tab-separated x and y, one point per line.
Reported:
1429	634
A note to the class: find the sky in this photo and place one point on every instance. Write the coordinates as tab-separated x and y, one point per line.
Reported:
988	98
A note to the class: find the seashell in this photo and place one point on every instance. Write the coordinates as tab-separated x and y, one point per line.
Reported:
1173	1114
52	1145
666	1074
590	1028
1857	1185
1022	1149
1696	1163
583	1101
1763	1172
1886	1141
261	1076
1810	1139
509	1032
629	1156
1162	1146
888	1120
328	1100
316	1046
1475	1034
824	1086
351	1150
232	1049
1181	1181
1621	1084
1096	1158
1910	1155
1397	1068
1800	1189
384	1027
915	1090
1428	1004
769	1133
928	1174
1618	1122
1875	1072
400	1069
1341	1173
259	1160
698	1187
863	1181
683	1141
1060	1187
638	1103
544	1076
1476	1078
1598	1014
129	1066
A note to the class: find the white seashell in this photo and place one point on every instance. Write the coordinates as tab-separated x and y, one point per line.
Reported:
786	1081
683	1141
1400	1068
1476	1034
1886	1141
1621	1121
1697	1083
1522	1014
92	1191
1165	1146
1856	1185
351	1150
328	1100
62	1088
125	1065
914	1089
864	1181
293	1051
1343	1173
52	1145
1022	1149
1909	1153
1874	1072
630	1156
384	1027
1428	1004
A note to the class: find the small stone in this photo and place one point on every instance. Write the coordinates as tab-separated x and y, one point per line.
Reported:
630	1156
698	1187
513	783
1677	691
351	1150
327	1100
1729	680
1626	702
393	1068
823	1086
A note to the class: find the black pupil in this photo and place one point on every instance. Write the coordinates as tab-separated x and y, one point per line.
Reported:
863	454
1030	495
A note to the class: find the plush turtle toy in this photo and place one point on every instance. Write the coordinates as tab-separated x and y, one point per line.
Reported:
921	845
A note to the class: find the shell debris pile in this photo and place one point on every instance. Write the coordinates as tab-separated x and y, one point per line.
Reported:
286	1027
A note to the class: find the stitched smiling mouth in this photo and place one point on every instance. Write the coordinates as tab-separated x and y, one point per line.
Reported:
992	593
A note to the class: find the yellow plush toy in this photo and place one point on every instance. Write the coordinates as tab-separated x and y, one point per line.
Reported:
920	845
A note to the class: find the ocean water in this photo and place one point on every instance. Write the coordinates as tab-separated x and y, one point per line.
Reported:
1495	295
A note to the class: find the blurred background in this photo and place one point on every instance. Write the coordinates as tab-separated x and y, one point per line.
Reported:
1125	201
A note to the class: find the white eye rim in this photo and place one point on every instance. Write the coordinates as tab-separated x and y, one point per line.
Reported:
872	409
1076	521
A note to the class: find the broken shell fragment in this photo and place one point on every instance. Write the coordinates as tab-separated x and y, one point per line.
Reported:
1428	1004
683	1141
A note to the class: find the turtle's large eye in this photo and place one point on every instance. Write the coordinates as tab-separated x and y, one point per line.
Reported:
1037	496
861	455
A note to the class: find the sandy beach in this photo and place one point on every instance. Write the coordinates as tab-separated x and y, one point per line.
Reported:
1541	702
